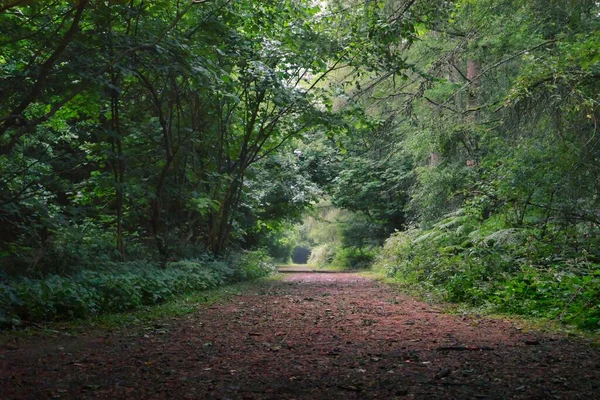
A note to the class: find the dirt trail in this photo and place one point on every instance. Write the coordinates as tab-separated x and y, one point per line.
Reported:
308	336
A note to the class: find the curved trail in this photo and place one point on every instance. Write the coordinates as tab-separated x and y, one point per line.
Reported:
308	336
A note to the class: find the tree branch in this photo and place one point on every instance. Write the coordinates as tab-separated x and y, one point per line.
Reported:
46	67
11	5
496	65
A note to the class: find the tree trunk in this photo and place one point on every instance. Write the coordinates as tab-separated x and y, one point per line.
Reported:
118	172
473	70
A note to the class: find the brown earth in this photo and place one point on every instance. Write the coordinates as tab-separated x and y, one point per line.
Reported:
307	336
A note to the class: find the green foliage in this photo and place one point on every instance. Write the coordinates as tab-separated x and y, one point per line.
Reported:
120	287
146	121
280	244
502	269
485	159
339	238
323	255
355	257
437	192
252	264
163	130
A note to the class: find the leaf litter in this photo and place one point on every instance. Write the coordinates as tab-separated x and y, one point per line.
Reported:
308	336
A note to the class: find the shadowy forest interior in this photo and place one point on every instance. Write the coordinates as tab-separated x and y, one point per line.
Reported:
154	148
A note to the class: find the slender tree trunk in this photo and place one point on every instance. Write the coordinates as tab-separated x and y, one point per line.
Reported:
156	206
117	162
473	70
118	172
155	212
218	234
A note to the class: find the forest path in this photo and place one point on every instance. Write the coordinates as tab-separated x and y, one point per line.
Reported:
307	336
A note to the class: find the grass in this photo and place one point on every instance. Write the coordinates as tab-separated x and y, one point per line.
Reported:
332	268
337	268
174	308
292	266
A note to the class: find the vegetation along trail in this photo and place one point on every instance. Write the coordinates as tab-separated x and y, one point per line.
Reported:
309	336
154	152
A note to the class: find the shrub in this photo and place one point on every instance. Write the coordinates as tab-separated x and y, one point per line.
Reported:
323	255
252	264
117	287
354	257
516	270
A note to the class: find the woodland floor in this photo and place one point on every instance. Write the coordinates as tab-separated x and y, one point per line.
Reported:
307	336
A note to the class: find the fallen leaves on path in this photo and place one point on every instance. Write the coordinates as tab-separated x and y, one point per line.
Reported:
309	336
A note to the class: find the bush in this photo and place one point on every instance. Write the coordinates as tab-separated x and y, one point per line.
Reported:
323	255
252	264
353	257
120	287
503	269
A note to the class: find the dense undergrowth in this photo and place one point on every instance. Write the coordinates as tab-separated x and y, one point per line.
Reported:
116	287
327	255
552	274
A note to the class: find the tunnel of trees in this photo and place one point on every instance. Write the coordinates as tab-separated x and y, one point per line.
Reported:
300	255
149	148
